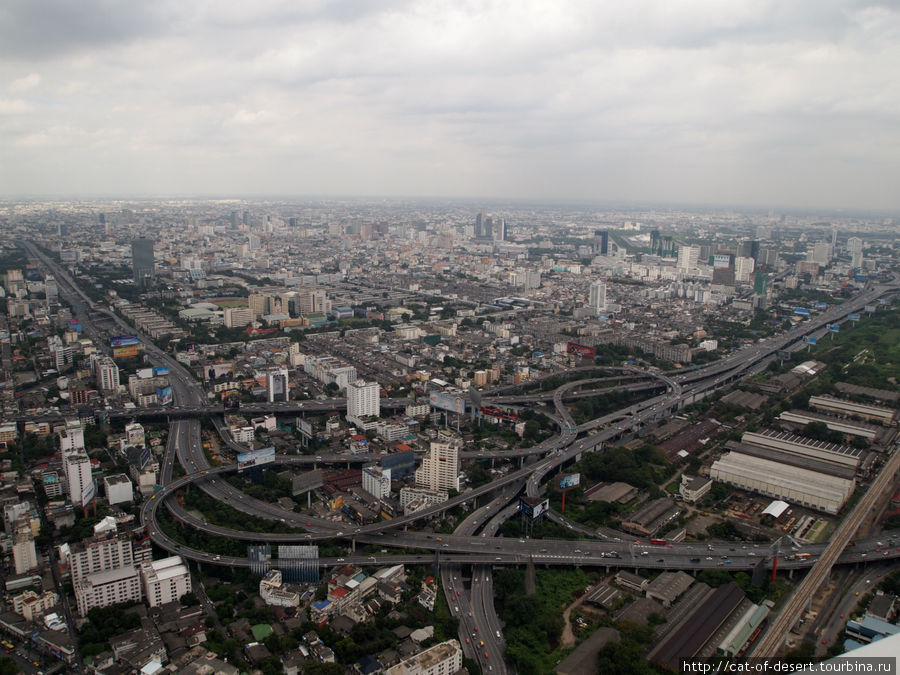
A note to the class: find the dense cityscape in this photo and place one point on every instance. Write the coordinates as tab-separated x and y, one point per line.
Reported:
435	436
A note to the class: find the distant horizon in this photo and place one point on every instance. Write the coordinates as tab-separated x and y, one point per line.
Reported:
475	202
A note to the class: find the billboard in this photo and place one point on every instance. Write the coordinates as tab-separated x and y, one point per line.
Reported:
164	395
500	413
447	401
305	428
247	460
870	309
160	370
810	340
336	503
853	317
569	481
820	305
231	400
833	327
125	352
123	340
531	510
581	350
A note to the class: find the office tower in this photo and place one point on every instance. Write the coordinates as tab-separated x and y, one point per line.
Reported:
440	467
277	387
253	242
597	298
165	580
24	553
479	224
107	373
601	242
246	218
142	262
743	268
688	257
77	468
362	400
855	248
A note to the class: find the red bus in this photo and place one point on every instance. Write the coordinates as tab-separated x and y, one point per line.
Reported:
658	542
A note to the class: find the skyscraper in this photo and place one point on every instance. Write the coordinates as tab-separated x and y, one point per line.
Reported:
855	248
142	262
601	242
597	298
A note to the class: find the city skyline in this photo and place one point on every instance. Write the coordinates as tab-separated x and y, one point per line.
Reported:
782	105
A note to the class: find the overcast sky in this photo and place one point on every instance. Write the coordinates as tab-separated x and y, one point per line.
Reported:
726	101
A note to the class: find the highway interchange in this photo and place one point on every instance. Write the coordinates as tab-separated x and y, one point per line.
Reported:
498	499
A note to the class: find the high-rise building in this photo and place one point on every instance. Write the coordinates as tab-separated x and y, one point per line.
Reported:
855	248
743	268
24	553
277	385
142	262
440	467
688	257
77	469
105	551
107	373
109	587
165	580
601	242
71	438
597	298
500	230
376	481
362	400
821	253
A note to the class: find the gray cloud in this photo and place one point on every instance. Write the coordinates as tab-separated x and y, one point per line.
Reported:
772	102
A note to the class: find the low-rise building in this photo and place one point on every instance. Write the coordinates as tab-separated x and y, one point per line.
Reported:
444	658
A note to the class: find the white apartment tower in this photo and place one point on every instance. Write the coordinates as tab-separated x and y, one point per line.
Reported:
107	374
597	297
165	580
71	439
362	400
77	468
440	467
